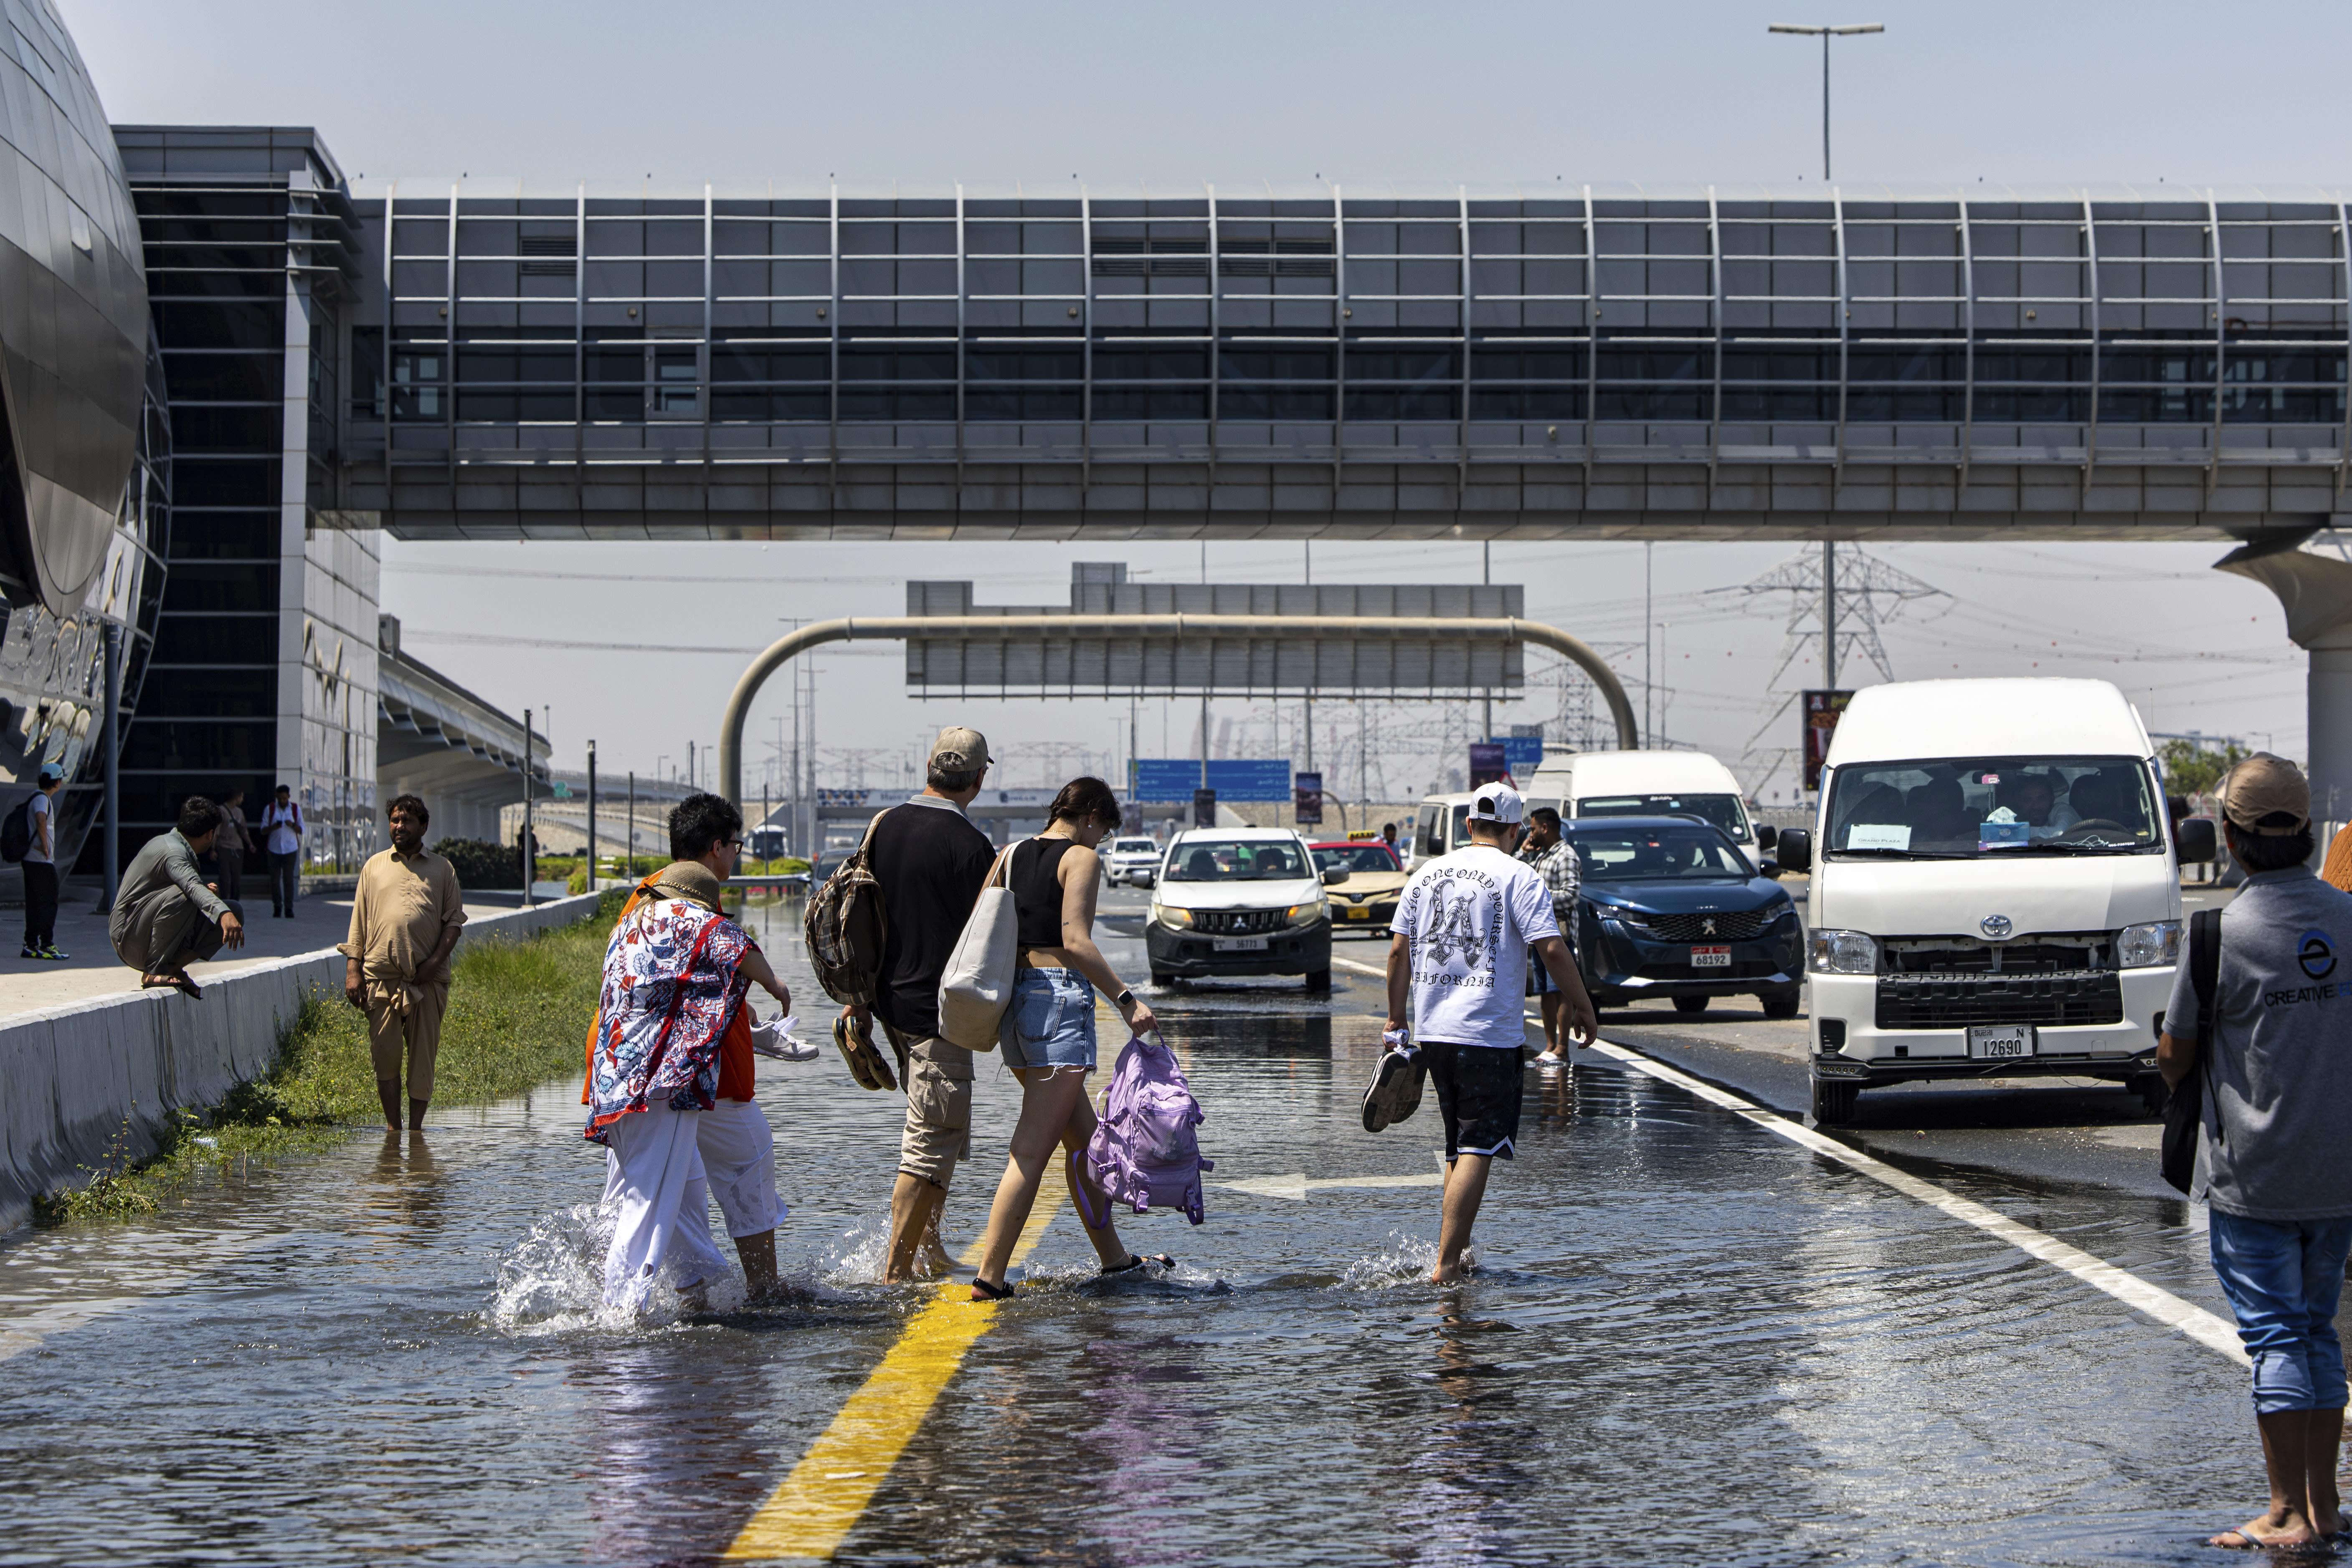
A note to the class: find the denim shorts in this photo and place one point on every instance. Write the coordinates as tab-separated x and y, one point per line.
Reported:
1051	1023
2285	1281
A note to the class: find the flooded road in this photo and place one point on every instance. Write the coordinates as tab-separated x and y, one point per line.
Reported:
1688	1342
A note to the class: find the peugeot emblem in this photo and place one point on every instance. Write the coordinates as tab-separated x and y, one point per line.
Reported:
1707	927
1995	926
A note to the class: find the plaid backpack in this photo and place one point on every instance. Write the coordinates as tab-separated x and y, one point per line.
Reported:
846	927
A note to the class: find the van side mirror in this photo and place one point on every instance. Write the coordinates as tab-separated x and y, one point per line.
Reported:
1795	849
1334	875
1767	836
2194	839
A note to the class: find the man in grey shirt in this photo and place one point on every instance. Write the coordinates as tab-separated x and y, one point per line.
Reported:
2271	1162
166	916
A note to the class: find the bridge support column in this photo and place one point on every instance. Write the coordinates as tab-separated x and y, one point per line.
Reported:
2315	592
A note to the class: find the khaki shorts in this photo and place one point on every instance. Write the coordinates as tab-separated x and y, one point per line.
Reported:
939	1107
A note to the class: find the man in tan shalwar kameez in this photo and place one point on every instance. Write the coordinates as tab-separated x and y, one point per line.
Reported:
405	921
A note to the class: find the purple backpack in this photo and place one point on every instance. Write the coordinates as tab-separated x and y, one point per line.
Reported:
1143	1151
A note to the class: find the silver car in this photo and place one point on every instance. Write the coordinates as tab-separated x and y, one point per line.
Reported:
1134	861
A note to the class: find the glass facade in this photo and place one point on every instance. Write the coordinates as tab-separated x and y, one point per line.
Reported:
264	670
553	347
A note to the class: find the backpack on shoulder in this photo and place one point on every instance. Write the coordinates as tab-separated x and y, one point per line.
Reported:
2184	1109
1144	1152
17	832
847	925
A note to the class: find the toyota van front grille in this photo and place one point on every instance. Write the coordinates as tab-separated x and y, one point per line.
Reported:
1957	1000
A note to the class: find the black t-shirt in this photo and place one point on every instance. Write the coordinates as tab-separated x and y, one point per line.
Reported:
930	861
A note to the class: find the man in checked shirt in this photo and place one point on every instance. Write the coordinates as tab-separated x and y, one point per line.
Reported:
1555	861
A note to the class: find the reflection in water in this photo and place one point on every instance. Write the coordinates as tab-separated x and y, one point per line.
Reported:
401	1195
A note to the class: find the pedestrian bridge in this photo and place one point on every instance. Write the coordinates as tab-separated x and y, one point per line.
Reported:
1546	361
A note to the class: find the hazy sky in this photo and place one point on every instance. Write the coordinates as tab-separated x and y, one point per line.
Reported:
1364	93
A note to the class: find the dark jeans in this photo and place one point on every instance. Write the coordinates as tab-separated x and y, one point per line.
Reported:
284	881
40	904
232	877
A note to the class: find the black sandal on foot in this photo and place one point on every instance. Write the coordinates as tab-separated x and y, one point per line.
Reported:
981	1291
1135	1262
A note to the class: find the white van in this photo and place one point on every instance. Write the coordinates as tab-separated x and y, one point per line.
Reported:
1439	830
1644	784
1998	889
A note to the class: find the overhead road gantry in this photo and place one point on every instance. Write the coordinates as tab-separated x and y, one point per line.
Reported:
1162	629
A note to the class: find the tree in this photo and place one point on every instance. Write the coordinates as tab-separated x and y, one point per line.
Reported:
2190	768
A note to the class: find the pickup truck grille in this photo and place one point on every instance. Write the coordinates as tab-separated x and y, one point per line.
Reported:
1738	926
1239	922
1956	1001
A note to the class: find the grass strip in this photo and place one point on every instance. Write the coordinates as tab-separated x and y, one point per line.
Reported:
518	1013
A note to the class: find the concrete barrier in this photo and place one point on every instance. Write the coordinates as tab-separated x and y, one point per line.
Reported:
76	1077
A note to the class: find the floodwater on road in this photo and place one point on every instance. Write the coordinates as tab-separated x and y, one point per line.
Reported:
1687	1342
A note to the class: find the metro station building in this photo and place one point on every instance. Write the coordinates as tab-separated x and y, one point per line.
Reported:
461	360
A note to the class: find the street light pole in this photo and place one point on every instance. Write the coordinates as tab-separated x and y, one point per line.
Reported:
1825	35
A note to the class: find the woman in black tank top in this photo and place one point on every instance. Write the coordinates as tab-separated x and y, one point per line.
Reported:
1048	1034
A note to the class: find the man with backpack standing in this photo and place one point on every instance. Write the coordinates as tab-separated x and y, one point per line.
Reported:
1464	932
281	820
37	834
2275	1100
929	861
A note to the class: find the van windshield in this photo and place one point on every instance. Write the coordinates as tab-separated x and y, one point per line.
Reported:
1965	807
1235	860
1724	811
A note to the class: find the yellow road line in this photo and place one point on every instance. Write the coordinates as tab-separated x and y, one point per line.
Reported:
816	1507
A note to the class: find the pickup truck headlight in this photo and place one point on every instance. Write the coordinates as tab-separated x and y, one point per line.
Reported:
1171	917
2146	946
1845	952
1306	914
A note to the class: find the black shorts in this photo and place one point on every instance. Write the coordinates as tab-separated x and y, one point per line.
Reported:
1477	1095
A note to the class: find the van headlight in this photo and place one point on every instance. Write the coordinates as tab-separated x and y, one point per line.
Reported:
1306	914
1845	952
1171	917
2146	946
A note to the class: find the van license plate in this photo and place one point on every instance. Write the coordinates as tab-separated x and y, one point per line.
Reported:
1998	1040
1241	944
1710	958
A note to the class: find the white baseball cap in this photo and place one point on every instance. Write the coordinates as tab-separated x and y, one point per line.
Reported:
1498	803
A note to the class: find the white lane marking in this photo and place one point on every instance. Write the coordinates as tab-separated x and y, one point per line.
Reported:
1295	1188
2165	1308
2214	1332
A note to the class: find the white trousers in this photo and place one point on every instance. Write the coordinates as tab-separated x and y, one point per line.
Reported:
739	1154
654	1172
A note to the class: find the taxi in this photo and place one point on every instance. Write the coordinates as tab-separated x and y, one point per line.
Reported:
1367	900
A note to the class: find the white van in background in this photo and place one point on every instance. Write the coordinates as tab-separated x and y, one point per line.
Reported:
1996	889
1644	784
1439	828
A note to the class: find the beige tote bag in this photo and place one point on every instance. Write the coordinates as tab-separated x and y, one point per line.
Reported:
977	984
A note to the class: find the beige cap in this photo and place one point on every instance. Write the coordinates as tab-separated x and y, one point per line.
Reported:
959	750
2261	786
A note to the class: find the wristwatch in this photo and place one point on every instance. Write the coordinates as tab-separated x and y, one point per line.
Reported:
1123	1000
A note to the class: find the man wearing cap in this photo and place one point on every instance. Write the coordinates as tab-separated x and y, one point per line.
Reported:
41	868
1464	932
929	861
2271	1161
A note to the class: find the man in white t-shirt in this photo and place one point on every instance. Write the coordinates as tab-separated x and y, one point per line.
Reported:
1458	956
